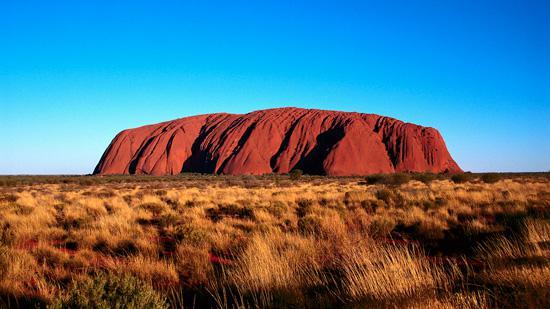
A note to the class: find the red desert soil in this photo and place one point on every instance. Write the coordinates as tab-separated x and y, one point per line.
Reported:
278	141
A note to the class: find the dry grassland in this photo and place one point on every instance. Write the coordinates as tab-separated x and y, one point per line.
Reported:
275	242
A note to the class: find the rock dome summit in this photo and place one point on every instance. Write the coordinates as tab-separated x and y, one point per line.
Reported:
277	141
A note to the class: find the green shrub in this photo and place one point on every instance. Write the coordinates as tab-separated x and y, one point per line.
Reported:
399	179
84	182
111	291
490	177
425	177
396	179
461	178
192	234
374	179
296	174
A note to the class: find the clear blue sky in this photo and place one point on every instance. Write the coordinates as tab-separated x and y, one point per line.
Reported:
74	73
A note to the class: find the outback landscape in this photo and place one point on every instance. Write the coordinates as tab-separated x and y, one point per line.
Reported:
274	154
398	240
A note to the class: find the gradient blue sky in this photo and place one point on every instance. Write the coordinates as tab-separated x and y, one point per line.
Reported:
74	73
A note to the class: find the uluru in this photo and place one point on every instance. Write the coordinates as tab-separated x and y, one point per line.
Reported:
278	140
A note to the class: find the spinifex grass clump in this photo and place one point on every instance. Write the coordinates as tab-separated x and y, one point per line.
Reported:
389	272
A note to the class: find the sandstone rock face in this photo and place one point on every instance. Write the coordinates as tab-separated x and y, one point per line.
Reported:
278	141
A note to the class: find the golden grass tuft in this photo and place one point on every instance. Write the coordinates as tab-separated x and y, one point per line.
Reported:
386	272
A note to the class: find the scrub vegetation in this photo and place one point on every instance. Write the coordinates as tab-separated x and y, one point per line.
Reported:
404	240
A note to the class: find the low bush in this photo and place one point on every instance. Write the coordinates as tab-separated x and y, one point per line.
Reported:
191	234
295	174
461	178
374	179
399	179
490	177
395	179
111	291
425	177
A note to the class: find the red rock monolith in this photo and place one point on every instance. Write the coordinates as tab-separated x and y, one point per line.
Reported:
278	141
